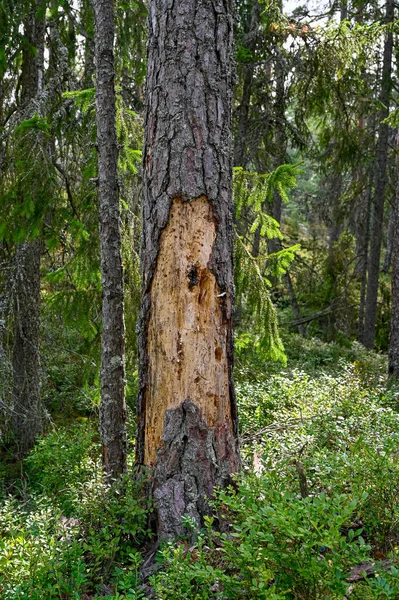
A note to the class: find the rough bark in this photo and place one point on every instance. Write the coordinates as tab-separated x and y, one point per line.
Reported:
187	418
33	52
393	364
112	405
27	410
379	189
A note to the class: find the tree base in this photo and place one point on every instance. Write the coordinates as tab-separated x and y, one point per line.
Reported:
193	460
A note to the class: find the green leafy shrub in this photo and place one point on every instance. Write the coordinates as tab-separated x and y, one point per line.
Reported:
278	546
66	458
66	532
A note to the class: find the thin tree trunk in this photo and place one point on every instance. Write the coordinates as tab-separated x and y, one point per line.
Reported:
390	233
112	406
187	418
27	410
393	363
281	145
240	158
362	252
379	189
294	304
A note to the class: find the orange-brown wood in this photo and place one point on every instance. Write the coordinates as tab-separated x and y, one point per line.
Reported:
186	333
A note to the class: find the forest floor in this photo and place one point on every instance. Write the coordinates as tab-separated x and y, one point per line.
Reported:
315	514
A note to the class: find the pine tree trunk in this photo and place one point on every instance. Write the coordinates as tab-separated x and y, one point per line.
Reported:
393	364
27	410
379	189
187	418
112	406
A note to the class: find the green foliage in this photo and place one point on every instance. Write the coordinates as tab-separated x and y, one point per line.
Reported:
84	99
254	190
252	193
66	533
278	546
253	292
329	416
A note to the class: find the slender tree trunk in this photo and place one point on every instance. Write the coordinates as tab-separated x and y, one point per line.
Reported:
89	49
361	226
187	418
112	406
362	254
393	364
379	189
27	411
240	158
281	146
390	233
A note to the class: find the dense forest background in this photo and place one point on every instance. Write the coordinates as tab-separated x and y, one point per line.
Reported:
316	257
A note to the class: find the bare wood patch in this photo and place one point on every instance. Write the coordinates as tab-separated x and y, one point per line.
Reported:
187	335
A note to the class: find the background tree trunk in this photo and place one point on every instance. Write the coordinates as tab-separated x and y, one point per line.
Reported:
390	233
27	412
112	406
187	418
393	364
379	189
240	154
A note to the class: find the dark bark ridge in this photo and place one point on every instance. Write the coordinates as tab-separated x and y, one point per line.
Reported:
112	406
193	457
187	155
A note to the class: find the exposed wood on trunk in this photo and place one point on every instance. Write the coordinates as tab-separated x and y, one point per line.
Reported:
112	406
187	338
187	421
379	188
393	364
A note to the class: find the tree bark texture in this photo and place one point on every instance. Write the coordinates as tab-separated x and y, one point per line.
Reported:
33	52
187	417
379	189
27	409
112	405
393	363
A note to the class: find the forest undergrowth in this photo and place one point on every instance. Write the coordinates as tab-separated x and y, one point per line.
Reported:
315	514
